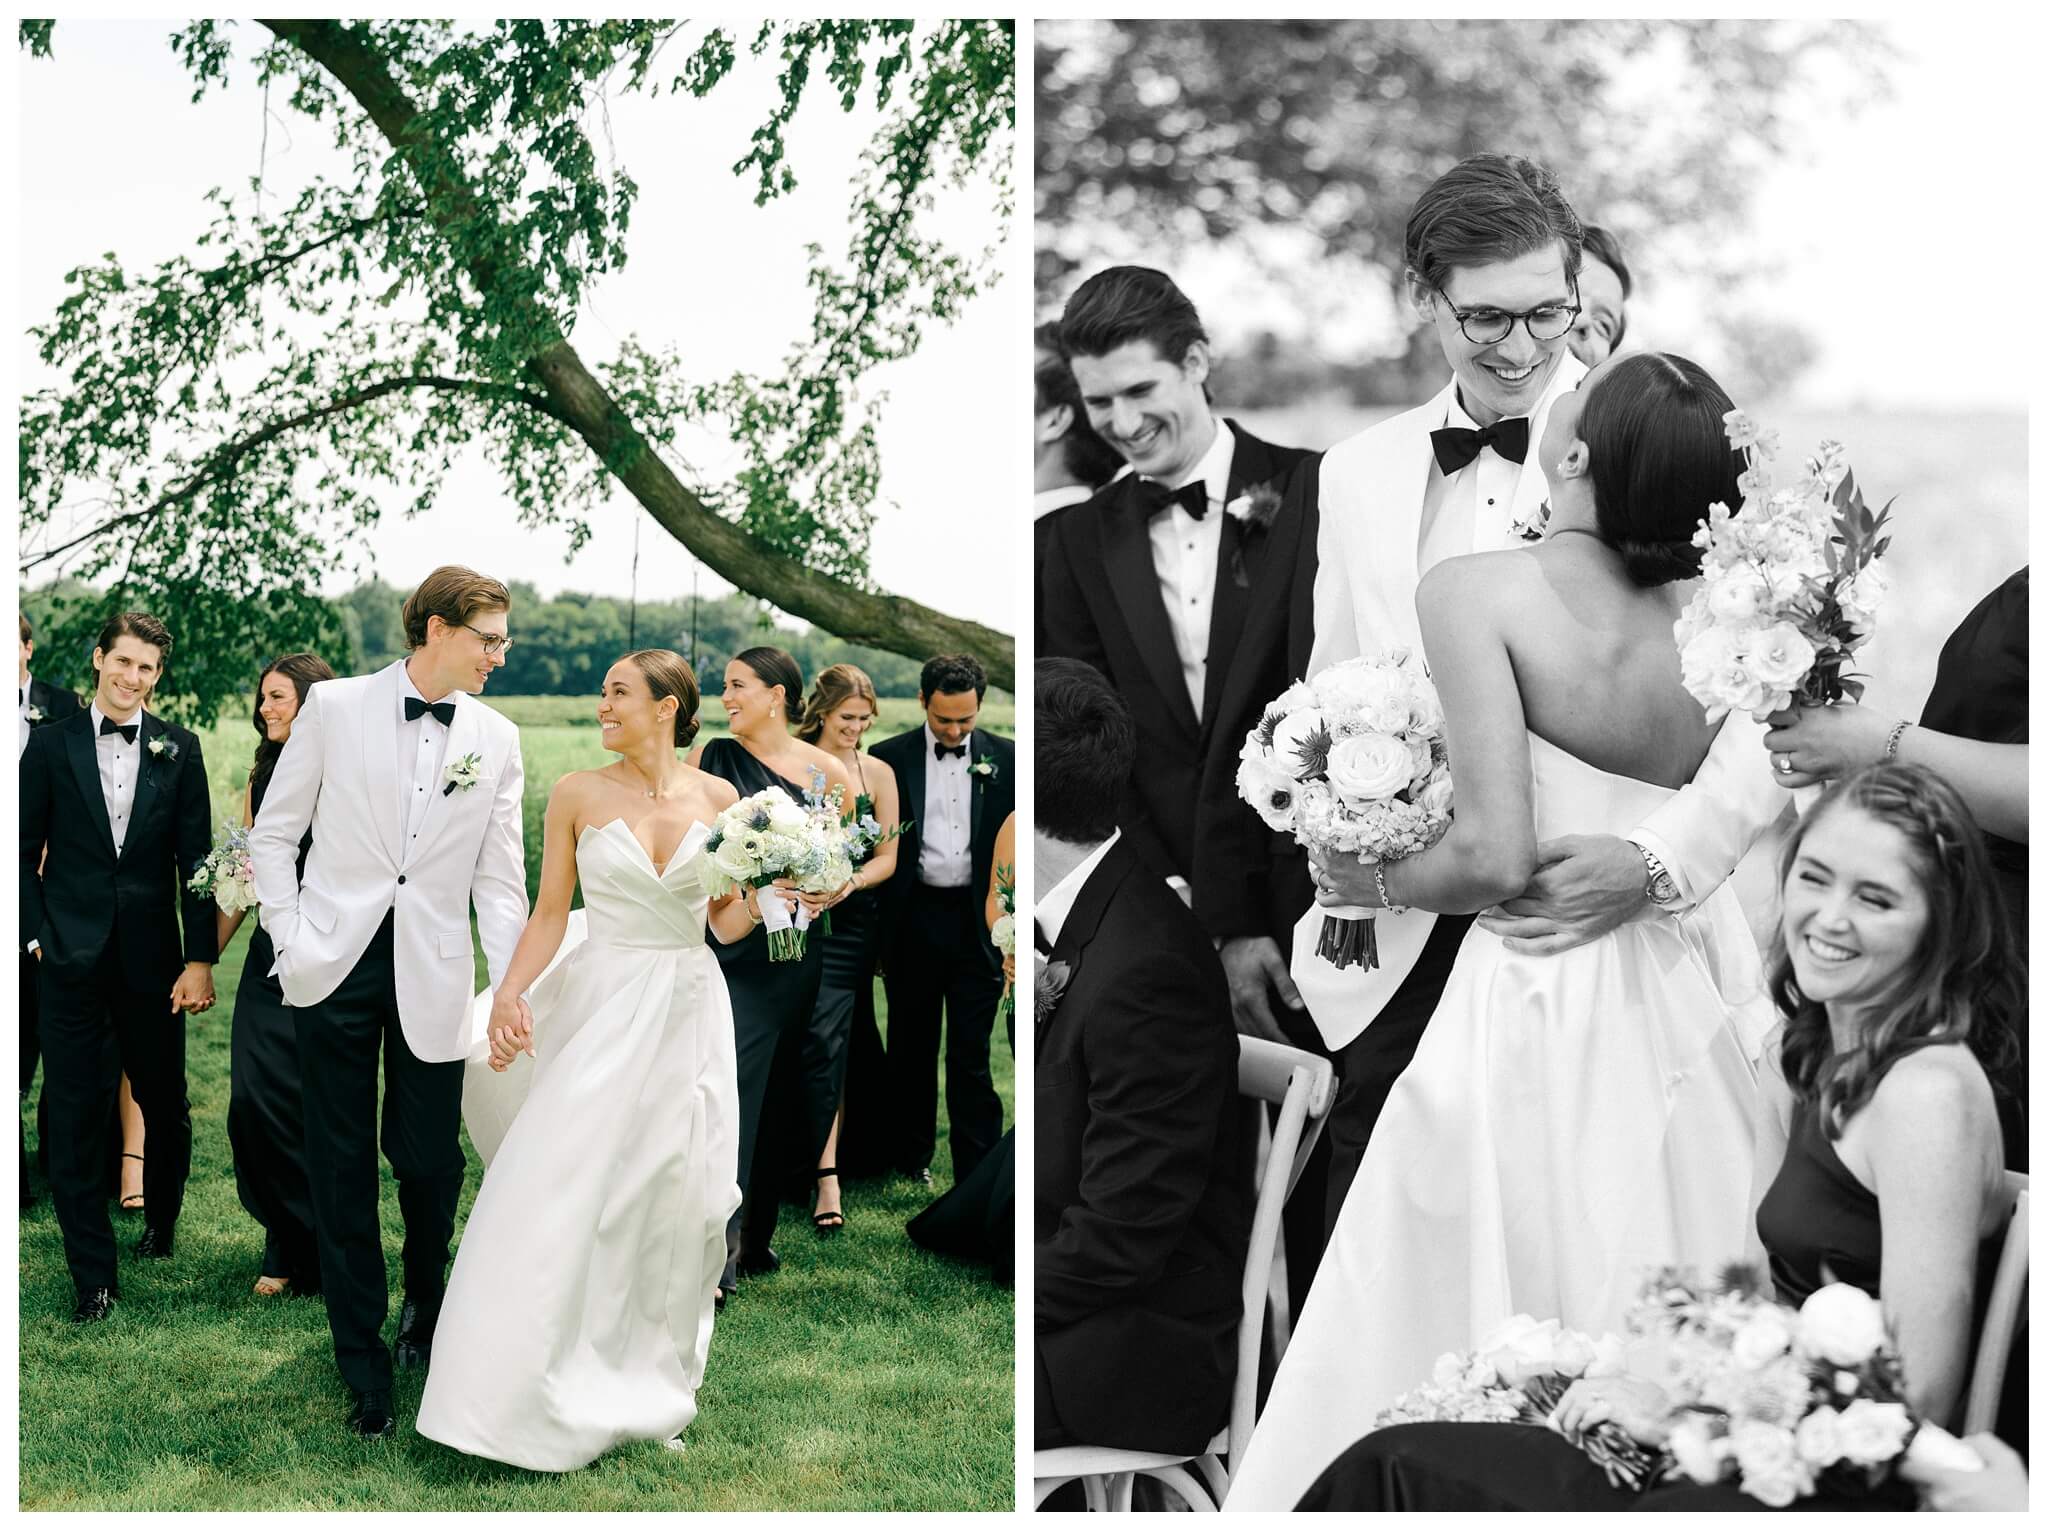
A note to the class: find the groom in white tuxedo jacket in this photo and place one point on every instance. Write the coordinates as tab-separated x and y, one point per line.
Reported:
1493	254
412	791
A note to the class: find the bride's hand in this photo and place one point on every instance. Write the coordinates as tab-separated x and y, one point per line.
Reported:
1641	1408
813	902
1344	881
511	1030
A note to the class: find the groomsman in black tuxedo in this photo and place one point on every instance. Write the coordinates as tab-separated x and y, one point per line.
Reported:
958	783
1143	1202
1069	462
1180	582
118	799
41	705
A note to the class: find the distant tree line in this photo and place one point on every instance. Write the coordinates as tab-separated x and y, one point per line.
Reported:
561	647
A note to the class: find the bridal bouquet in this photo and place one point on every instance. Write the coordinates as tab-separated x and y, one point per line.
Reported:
1004	934
1782	1399
227	876
1353	762
1516	1375
1792	585
766	836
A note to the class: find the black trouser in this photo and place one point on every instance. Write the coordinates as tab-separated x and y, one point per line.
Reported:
771	1006
339	1040
31	1050
267	1122
849	975
1368	1065
97	1025
941	960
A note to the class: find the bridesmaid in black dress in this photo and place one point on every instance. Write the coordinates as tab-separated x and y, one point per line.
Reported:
266	1123
1879	1116
771	1001
843	707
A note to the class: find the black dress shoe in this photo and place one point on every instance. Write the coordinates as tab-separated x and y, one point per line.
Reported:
918	1177
759	1262
371	1418
94	1304
155	1244
415	1342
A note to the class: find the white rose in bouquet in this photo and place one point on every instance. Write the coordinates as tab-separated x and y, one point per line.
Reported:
1737	596
1869	1432
1697	1450
1370	697
1435	797
1764	1337
732	861
1369	768
1860	597
1819	1439
1779	658
1771	1469
786	816
1841	1324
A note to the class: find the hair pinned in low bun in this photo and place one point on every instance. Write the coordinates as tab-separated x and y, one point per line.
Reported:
669	674
1658	563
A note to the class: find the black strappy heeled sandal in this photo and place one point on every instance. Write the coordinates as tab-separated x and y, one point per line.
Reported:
828	1223
133	1196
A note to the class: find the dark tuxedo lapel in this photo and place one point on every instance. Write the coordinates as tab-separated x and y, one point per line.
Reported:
1271	557
1240	562
976	785
1134	581
85	765
912	773
1083	920
150	771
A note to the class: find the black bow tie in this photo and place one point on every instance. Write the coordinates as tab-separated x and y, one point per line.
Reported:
1156	497
1455	446
943	750
445	711
127	731
1038	941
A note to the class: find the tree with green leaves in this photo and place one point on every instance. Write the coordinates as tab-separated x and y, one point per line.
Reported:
1304	143
238	414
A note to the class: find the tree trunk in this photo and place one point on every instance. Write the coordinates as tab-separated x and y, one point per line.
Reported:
859	616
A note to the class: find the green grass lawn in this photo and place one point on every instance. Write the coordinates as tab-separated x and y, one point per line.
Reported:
865	1375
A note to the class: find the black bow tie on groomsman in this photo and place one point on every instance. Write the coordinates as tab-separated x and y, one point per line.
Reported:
444	711
1455	446
127	731
1156	497
941	751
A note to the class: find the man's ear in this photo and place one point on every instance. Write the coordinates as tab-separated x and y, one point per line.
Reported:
1420	293
1195	364
1054	423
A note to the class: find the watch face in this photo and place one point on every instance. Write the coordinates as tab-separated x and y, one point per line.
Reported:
1662	889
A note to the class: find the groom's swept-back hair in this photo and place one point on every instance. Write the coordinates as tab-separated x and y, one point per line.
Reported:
1655	426
1085	749
667	673
454	594
1088	457
1488	209
1126	304
137	624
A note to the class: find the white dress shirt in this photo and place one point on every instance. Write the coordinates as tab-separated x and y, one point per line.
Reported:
422	742
1052	909
1450	504
120	765
945	852
24	718
1045	501
1184	554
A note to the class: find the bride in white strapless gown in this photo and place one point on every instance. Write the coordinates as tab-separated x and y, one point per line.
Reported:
579	1312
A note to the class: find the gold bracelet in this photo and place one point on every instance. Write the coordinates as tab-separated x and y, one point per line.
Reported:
1379	881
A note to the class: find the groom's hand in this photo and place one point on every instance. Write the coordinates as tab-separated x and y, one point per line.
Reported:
1257	971
193	991
1584	886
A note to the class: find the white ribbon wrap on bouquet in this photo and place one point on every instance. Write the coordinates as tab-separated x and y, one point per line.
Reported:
775	914
1343	1001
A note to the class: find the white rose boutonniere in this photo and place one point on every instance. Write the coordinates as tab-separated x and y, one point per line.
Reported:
984	767
35	713
163	749
1530	527
1253	510
463	774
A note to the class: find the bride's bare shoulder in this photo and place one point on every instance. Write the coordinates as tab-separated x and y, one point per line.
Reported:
714	792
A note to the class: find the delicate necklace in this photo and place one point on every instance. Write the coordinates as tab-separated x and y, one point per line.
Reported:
654	791
1582	531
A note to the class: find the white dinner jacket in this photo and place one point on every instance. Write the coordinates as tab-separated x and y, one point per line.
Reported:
339	775
1367	543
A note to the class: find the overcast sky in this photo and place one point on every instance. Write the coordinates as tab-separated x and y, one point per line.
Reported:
119	159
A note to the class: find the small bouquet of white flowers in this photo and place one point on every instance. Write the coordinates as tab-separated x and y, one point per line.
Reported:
1792	585
227	876
1516	1375
1353	762
755	841
1004	934
1786	1400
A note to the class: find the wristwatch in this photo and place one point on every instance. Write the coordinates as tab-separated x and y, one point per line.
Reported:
1658	886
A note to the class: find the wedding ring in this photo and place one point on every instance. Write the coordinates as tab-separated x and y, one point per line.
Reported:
1784	765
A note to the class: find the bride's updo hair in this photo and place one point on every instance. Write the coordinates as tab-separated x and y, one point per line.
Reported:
1660	456
669	674
835	686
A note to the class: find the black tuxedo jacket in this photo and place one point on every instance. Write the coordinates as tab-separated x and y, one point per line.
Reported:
88	905
1098	600
57	702
1143	1186
992	799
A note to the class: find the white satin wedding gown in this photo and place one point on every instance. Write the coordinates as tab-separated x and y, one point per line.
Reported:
1567	1123
579	1312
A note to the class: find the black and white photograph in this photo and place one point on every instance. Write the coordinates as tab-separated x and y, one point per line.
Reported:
1529	823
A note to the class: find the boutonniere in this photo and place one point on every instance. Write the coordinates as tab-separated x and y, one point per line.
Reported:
462	774
984	767
1253	510
1530	528
1049	988
163	749
35	713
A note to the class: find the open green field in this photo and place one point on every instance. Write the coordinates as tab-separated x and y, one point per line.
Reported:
866	1374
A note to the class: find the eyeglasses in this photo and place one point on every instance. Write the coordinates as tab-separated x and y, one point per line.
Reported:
494	643
1490	326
